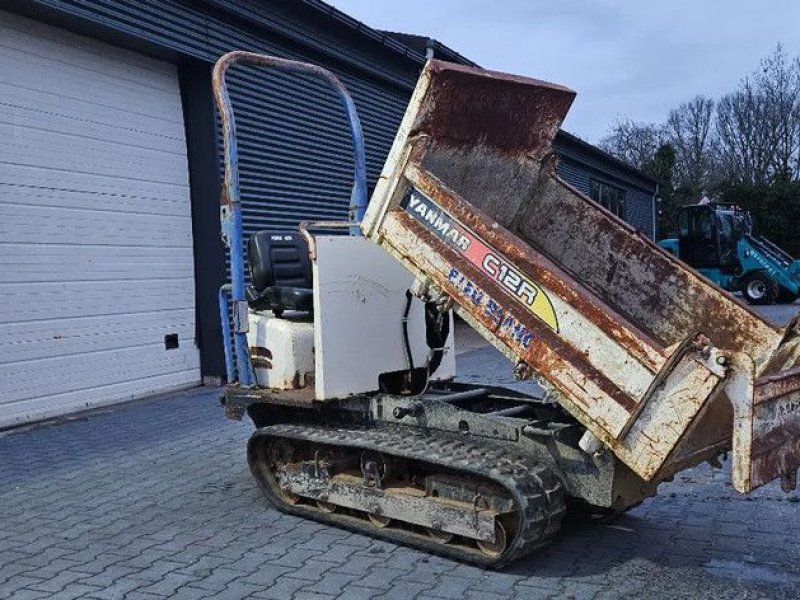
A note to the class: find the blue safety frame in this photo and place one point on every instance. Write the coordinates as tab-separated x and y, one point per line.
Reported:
237	358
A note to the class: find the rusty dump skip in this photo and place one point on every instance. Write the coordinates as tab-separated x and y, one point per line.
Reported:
663	367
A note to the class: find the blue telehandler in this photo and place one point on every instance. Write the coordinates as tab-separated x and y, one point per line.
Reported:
717	240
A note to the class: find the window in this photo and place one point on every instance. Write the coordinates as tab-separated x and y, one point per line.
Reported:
683	223
610	197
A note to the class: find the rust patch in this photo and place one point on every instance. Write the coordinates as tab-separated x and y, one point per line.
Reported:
478	145
649	286
774	386
779	463
513	114
235	412
777	440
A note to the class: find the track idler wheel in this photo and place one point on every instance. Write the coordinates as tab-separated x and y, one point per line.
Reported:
289	497
498	546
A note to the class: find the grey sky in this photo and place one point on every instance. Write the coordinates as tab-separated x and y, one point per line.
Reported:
630	58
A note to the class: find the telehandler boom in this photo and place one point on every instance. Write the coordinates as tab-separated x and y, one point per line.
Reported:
341	353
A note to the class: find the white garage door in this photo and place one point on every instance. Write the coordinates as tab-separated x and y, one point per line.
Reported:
96	264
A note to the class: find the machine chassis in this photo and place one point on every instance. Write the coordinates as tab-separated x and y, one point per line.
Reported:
541	431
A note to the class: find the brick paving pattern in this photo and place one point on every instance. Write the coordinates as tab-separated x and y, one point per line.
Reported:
154	500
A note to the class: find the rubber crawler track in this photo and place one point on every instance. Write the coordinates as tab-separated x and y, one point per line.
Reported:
537	493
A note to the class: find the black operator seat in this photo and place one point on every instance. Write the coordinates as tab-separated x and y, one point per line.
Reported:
280	272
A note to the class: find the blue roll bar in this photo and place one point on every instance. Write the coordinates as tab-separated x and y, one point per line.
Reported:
231	209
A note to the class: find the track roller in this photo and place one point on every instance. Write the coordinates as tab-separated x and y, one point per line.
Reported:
379	520
326	507
442	537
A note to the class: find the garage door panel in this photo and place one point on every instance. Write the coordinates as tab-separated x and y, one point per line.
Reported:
57	51
65	262
34	340
46	225
53	376
36	73
96	250
24	411
87	109
35	185
83	122
52	150
70	300
43	40
49	197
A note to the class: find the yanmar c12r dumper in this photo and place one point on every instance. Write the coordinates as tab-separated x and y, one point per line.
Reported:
341	348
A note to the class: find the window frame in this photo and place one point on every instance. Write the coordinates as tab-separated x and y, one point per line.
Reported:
609	196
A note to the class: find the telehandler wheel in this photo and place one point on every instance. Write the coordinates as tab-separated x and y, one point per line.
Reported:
759	288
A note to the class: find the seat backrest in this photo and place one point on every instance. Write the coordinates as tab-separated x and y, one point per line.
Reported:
278	260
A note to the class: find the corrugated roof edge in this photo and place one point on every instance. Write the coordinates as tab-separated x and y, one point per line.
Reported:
421	42
365	30
574	139
390	39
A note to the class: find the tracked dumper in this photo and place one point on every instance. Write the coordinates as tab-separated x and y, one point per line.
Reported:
341	349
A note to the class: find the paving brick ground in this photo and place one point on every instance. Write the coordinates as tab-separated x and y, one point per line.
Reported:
154	500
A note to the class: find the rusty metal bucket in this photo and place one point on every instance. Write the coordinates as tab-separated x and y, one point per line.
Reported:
662	366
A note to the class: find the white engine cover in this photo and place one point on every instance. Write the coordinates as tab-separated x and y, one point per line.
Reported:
356	333
359	298
282	350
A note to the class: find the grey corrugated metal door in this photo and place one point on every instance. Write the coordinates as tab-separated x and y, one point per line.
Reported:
96	259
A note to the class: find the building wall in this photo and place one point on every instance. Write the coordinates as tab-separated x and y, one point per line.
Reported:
579	165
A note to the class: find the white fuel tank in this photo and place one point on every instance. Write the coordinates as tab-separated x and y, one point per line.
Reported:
282	350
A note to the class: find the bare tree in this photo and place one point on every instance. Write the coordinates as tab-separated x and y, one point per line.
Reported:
751	136
758	125
635	143
691	132
779	85
743	141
